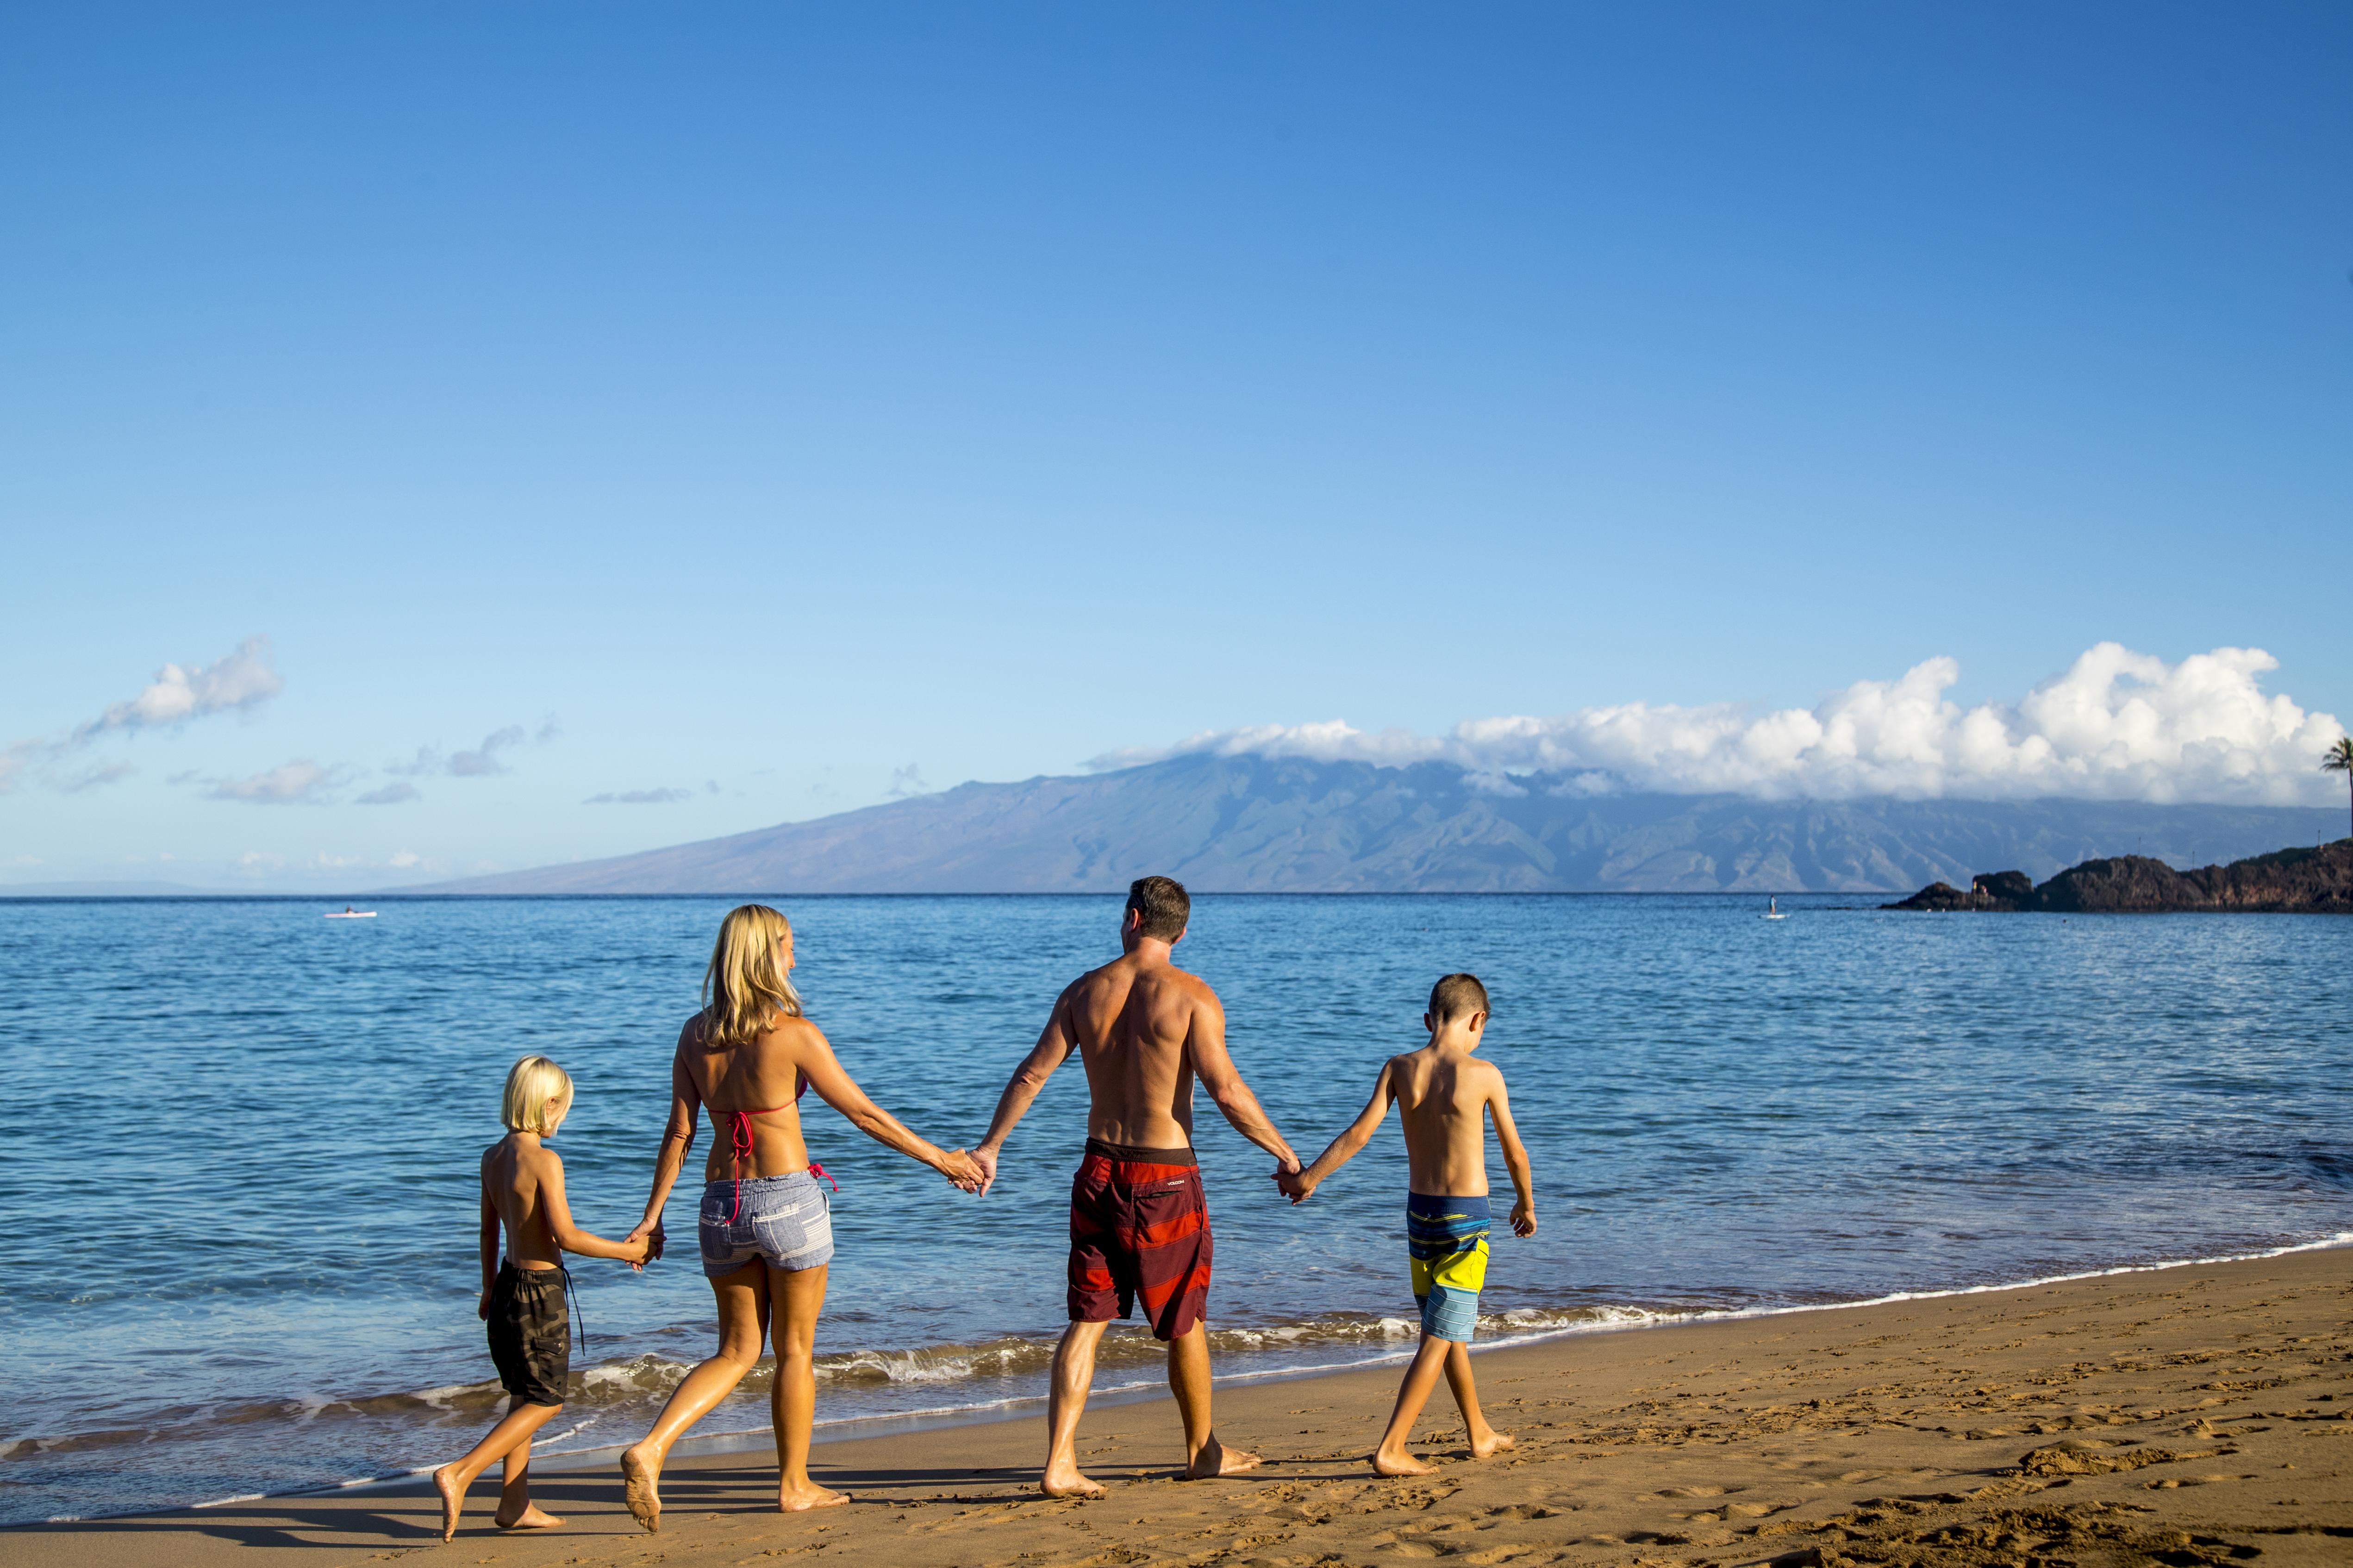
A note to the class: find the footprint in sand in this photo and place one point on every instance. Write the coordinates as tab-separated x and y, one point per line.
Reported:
2170	1482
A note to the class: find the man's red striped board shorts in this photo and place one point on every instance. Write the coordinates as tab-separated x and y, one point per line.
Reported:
1139	1226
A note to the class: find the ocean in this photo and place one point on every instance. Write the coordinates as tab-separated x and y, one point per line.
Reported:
238	1142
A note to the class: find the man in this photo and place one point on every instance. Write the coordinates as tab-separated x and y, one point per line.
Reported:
1139	1221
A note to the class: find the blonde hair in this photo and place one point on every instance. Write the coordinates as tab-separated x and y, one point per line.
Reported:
745	989
531	1084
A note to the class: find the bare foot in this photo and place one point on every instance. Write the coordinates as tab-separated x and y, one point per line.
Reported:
1486	1447
531	1518
640	1482
795	1499
1063	1479
453	1498
1216	1459
1397	1464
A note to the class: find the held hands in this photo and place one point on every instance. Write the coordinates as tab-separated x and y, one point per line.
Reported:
964	1169
1295	1183
649	1232
986	1160
1524	1218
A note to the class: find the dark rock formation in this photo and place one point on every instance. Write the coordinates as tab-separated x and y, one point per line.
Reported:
2005	888
2289	881
1939	897
1993	890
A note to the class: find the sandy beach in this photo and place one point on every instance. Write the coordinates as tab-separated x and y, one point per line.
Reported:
2181	1416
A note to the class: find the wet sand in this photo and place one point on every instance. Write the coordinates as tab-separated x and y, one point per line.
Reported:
2180	1416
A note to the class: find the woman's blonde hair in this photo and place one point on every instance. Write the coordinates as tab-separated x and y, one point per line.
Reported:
746	988
531	1084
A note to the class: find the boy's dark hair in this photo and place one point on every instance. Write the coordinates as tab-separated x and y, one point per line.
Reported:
1162	902
1457	997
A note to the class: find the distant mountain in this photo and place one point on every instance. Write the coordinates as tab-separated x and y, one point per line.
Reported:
105	891
1250	823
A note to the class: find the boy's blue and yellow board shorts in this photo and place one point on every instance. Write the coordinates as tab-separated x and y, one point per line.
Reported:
1448	1238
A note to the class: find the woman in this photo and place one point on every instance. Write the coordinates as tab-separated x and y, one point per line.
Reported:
765	1224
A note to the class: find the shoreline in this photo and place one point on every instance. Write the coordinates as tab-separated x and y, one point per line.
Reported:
756	1440
2193	1414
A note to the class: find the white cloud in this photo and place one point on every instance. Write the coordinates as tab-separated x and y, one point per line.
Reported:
237	680
403	859
483	760
13	763
2117	725
639	797
392	794
93	777
908	781
298	781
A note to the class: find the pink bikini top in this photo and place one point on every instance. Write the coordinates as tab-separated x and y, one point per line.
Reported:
739	1141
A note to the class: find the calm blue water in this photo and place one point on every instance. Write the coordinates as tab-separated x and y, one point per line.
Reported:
237	1141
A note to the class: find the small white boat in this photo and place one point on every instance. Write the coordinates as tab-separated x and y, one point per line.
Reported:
1773	910
349	913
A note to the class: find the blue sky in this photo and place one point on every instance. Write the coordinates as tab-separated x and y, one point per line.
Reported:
752	402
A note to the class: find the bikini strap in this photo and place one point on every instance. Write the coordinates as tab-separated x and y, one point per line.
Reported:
739	1142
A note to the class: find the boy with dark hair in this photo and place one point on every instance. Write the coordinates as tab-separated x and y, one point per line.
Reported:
1444	1097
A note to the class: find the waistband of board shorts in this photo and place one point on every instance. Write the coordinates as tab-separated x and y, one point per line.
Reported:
1129	1154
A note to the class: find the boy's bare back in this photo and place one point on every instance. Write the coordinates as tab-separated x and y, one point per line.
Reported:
1445	1097
1442	1097
516	1172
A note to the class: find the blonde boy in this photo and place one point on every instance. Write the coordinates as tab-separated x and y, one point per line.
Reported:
522	1301
1444	1097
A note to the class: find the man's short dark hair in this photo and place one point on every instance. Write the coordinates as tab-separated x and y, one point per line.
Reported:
1457	997
1162	902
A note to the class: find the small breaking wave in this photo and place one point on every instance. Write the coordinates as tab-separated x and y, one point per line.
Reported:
642	1382
994	1372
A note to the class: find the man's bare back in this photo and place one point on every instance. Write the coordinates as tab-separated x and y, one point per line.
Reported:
1131	1021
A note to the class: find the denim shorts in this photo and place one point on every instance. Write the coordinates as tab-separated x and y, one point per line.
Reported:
786	1220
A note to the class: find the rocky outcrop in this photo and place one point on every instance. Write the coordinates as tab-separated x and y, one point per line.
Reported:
2005	888
1994	890
2288	881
